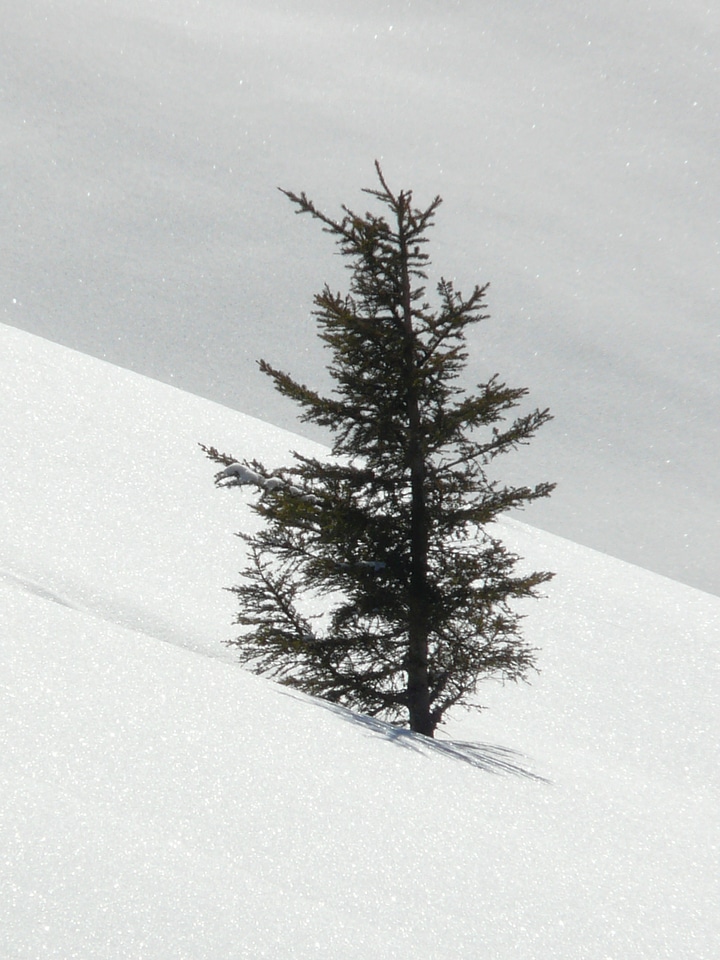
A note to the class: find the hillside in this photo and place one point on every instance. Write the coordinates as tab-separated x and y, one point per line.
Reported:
159	802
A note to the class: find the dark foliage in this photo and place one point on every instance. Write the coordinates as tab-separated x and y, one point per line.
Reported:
390	535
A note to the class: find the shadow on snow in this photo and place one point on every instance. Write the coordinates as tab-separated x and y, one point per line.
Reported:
485	756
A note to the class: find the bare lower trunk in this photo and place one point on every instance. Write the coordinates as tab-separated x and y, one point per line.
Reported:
418	695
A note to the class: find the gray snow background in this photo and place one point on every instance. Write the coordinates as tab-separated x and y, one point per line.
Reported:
576	148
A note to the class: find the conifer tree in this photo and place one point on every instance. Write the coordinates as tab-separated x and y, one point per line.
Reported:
375	581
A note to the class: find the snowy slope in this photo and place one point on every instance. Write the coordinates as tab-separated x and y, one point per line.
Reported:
575	144
159	802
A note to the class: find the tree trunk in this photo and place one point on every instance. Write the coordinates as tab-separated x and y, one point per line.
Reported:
418	683
418	688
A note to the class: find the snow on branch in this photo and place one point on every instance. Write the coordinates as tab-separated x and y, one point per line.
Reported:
236	474
374	566
241	475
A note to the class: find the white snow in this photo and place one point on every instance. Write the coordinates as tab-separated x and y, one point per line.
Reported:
158	802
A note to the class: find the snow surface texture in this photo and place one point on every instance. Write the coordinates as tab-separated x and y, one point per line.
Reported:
575	144
159	802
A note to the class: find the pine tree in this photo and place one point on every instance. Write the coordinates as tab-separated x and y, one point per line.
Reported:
375	581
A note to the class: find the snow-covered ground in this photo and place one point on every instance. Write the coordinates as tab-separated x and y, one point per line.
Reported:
575	144
158	802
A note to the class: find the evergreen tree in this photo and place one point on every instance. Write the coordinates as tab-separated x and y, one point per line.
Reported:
389	536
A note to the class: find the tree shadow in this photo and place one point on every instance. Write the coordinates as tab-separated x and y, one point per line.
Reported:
490	757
